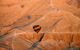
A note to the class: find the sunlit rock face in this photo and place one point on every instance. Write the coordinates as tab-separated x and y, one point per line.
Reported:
57	25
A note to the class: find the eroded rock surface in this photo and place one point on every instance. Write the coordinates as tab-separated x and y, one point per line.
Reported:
59	22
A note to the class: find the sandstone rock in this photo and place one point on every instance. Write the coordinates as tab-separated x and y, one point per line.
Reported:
59	22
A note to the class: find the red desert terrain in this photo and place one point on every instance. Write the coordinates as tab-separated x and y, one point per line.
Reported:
39	24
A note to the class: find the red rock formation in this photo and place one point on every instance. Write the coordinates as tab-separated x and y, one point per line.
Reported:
59	22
